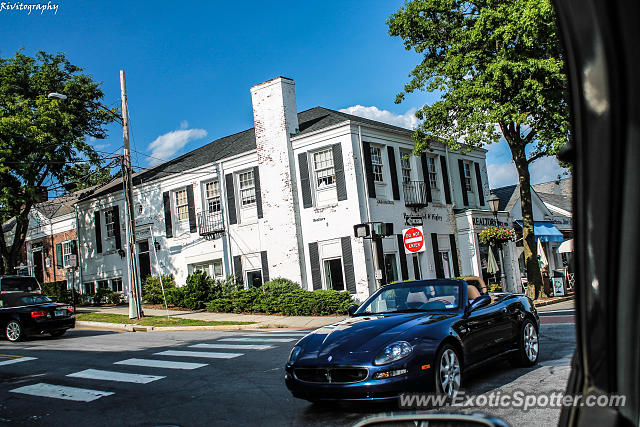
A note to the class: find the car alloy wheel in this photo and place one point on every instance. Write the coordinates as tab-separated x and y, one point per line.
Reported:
530	342
449	373
13	331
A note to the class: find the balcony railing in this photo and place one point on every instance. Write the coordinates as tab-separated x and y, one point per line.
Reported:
210	223
415	194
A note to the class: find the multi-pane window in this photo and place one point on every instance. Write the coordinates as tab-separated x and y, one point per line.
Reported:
109	222
406	168
376	164
212	268
467	176
212	195
182	206
323	167
433	174
103	284
247	188
66	253
116	284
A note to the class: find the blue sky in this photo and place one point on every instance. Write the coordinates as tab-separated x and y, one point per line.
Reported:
190	65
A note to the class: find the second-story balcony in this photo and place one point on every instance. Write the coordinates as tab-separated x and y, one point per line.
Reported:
210	223
415	194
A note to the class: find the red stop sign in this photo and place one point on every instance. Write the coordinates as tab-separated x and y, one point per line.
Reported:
413	240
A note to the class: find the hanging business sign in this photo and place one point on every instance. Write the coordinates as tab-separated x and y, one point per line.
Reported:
413	240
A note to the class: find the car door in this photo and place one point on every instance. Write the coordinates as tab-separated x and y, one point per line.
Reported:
481	333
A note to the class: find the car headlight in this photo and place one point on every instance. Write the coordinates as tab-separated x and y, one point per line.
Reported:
295	352
392	352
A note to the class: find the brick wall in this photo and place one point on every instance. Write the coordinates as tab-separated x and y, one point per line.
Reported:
52	273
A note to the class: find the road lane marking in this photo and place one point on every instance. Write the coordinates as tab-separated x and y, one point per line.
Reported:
96	374
160	364
257	339
234	346
271	335
17	360
62	392
207	354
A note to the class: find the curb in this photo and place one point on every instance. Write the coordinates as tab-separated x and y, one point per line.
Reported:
140	328
555	301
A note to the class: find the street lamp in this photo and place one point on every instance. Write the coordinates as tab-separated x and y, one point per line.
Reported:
494	204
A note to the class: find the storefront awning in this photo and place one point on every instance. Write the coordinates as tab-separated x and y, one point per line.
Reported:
545	231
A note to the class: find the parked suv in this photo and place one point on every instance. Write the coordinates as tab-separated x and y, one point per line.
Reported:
19	284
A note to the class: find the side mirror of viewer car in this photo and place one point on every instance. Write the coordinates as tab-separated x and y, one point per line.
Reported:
352	309
479	302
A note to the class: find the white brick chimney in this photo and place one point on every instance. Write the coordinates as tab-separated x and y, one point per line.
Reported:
275	119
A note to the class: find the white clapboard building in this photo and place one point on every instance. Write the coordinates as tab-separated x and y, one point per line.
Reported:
281	200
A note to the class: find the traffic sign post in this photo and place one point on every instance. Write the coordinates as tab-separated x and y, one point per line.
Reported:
413	240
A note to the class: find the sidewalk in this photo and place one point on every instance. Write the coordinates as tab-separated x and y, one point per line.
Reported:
262	320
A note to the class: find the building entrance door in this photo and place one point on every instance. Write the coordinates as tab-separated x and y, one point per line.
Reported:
38	267
144	260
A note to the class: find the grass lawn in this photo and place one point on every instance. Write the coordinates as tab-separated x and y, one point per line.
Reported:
151	320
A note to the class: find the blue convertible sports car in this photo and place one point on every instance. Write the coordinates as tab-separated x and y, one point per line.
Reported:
413	336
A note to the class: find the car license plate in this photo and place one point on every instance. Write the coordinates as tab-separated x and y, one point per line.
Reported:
59	312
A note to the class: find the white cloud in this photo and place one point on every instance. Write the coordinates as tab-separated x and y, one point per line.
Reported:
166	145
502	174
407	120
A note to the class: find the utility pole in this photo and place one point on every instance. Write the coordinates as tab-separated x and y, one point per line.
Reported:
135	309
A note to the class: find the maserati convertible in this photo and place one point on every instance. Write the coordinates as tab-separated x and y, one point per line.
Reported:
413	336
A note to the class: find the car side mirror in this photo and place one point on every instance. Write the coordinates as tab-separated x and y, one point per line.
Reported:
352	309
479	302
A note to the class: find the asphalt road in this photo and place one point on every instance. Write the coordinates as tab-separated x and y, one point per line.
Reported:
246	389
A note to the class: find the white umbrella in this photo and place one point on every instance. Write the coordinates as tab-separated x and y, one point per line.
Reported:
566	246
492	265
542	257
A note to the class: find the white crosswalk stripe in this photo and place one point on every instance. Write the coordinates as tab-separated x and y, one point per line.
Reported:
62	392
96	374
234	346
257	339
206	354
151	363
271	335
17	360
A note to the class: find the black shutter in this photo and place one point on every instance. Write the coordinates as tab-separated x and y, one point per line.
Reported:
479	182
403	257
256	180
231	198
314	259
425	177
338	167
454	254
237	268
191	206
463	186
436	256
59	263
168	224
368	169
445	179
116	226
98	228
394	173
416	267
265	266
305	183
347	261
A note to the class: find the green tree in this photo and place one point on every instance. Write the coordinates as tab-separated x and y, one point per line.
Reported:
41	138
83	176
498	67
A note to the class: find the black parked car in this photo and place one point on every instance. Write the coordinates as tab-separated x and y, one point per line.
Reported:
27	313
413	336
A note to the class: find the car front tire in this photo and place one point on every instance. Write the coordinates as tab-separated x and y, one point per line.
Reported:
13	331
528	345
448	371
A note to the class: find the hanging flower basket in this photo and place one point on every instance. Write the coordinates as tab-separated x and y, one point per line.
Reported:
495	235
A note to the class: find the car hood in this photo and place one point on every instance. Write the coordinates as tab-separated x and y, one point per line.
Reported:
358	338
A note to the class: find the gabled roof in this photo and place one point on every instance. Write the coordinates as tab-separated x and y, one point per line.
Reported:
562	202
311	120
505	194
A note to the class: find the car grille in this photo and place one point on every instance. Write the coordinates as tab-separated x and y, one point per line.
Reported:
331	375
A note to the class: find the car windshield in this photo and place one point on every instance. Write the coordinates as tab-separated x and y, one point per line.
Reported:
19	284
421	297
20	300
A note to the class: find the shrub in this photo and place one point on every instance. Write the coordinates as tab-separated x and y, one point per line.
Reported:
115	298
57	291
152	288
495	287
279	286
100	297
